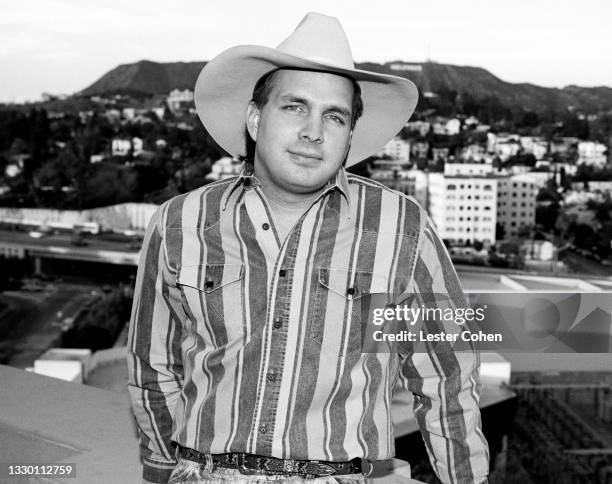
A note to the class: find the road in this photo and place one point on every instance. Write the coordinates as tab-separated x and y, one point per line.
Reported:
34	323
64	240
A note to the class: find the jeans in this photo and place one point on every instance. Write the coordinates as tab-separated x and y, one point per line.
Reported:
189	472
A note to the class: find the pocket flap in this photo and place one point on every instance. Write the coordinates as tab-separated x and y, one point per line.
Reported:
352	284
209	277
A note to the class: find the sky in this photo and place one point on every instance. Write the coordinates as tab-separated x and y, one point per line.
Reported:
63	46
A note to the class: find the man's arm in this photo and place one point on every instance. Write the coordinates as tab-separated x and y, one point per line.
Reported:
154	353
444	379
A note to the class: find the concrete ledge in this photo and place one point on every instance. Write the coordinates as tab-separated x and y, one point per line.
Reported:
46	420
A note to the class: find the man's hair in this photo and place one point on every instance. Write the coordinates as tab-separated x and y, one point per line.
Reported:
261	95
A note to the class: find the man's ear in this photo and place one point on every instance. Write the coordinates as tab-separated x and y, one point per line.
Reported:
252	119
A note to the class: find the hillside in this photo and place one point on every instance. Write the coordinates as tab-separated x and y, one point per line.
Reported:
149	77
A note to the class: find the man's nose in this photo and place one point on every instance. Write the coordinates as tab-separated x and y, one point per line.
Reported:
312	129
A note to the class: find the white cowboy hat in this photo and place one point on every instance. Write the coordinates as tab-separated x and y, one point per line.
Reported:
225	86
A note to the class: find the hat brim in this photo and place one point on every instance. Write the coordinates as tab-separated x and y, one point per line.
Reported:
225	87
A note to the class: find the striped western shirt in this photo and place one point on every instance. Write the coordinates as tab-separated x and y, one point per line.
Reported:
243	342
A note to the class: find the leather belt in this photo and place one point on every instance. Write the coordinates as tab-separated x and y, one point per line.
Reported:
259	464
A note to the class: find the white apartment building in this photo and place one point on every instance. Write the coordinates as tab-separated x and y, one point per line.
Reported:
463	208
592	153
398	149
516	202
468	169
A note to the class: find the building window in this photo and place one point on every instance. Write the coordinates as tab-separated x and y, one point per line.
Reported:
451	187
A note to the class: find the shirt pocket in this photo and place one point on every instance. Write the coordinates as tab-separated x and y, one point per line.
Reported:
342	303
213	296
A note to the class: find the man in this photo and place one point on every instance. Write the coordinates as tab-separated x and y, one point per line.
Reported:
245	349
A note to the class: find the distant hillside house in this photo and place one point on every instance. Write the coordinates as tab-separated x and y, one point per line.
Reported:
122	146
534	145
562	146
421	126
129	113
440	154
398	149
112	115
223	168
475	152
592	153
419	149
538	250
178	99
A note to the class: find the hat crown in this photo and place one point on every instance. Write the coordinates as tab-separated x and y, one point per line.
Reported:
319	38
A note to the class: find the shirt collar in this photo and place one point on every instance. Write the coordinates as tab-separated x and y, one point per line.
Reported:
248	181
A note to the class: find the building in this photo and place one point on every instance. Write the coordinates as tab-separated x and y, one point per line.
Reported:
506	149
419	149
122	146
422	127
563	146
468	169
592	153
462	207
541	250
453	126
475	152
534	145
225	167
440	154
178	99
398	149
516	203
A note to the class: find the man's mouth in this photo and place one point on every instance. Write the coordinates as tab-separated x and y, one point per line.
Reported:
306	155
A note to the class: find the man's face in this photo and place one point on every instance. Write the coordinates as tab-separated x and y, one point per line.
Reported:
303	132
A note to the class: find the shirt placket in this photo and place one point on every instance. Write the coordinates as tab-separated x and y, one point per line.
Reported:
282	259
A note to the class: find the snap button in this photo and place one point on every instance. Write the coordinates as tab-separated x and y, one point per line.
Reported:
209	284
278	323
262	429
266	226
282	273
271	377
350	291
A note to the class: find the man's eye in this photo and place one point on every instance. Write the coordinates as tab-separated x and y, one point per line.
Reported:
336	119
293	107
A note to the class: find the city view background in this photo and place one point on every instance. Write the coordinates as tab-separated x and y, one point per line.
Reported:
515	174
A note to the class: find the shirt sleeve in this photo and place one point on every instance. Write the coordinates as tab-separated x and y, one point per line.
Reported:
154	353
444	376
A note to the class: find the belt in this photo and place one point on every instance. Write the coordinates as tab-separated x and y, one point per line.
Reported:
259	464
